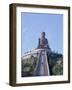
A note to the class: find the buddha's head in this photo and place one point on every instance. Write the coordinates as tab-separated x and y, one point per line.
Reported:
43	34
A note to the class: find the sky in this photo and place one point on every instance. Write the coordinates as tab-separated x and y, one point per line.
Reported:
32	24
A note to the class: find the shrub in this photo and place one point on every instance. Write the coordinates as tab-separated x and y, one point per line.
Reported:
58	69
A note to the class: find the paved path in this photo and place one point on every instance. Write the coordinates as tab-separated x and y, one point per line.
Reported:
42	67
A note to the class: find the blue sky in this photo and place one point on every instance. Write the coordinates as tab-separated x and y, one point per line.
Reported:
32	24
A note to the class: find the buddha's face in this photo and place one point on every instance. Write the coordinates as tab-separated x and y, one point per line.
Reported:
43	34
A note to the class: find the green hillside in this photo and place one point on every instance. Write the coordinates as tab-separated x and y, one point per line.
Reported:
55	63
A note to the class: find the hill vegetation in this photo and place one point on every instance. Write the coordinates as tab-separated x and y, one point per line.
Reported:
55	61
28	66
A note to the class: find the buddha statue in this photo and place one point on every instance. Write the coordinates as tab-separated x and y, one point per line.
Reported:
43	42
